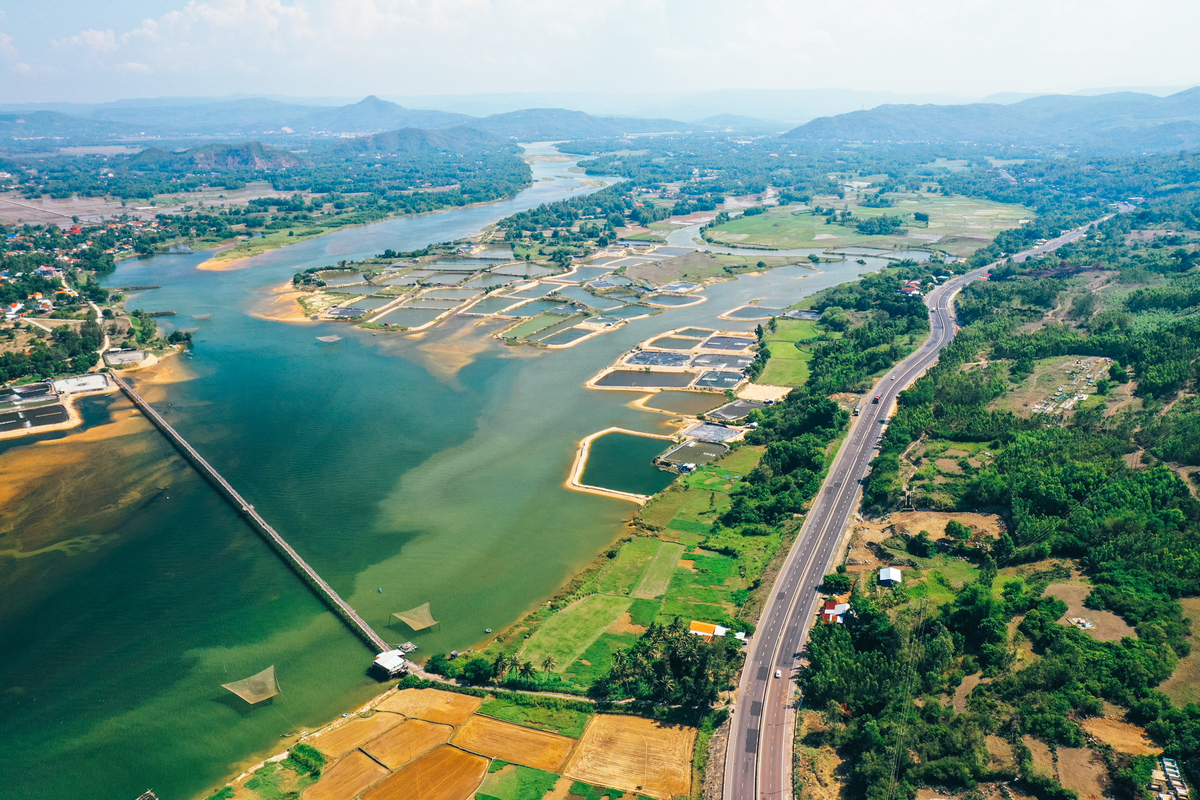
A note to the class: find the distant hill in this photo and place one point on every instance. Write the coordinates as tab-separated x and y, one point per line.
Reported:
217	158
372	114
1118	121
53	124
412	141
542	124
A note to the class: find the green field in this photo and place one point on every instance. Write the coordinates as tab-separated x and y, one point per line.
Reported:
788	365
556	720
514	782
657	576
570	632
621	574
963	225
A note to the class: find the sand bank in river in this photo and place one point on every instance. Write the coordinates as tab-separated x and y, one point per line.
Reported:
280	305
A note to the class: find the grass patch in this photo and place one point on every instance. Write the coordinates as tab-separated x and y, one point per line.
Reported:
567	634
545	717
518	783
586	791
622	573
599	657
643	611
657	576
712	570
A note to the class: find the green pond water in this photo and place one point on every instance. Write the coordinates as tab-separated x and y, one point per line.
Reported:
623	462
430	468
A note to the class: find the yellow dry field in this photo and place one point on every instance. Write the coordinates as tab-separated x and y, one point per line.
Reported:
354	733
446	773
634	754
346	779
1122	736
406	741
432	705
524	746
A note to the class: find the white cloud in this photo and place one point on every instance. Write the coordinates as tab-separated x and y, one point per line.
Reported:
97	41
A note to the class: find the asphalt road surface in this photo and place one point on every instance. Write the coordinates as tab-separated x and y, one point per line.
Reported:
758	761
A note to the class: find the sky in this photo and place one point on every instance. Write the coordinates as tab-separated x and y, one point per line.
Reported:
88	51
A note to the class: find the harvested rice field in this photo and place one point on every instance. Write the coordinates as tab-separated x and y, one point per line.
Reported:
526	746
446	773
631	752
407	741
346	779
355	733
432	705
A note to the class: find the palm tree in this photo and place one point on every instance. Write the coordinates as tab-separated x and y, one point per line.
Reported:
503	664
548	663
526	670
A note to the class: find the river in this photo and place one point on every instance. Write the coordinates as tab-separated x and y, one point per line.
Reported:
429	467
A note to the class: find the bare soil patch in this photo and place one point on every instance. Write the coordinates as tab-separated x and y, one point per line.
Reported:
949	465
446	773
1123	736
354	733
635	754
406	741
1081	770
1001	753
347	778
1108	626
965	688
1043	759
432	705
526	746
1183	686
624	624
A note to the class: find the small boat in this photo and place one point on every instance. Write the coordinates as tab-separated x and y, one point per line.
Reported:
487	630
381	590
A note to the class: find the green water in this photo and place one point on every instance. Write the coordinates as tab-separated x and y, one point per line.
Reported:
384	468
623	462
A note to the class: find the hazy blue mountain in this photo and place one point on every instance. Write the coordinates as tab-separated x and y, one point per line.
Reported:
542	124
56	125
1118	121
371	115
217	158
409	141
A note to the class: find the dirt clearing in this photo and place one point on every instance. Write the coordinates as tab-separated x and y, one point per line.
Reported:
635	754
1108	626
525	746
1183	686
1079	769
444	774
1123	736
432	705
1043	759
354	733
406	741
346	779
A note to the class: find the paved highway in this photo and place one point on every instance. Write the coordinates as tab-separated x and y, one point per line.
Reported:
758	761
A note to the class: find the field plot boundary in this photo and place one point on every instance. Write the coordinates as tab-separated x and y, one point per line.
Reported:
333	785
657	576
497	739
636	755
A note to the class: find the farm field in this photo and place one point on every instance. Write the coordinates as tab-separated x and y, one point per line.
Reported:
346	779
355	733
958	225
432	705
562	721
446	773
658	572
568	633
512	743
514	782
788	364
406	741
635	754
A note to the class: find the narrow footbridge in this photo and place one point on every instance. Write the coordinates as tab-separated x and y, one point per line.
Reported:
302	568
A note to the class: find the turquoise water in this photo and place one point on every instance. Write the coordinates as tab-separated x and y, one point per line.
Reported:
429	466
624	462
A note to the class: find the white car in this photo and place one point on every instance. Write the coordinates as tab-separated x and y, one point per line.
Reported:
778	673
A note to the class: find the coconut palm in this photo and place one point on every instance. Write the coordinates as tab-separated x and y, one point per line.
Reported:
548	663
526	670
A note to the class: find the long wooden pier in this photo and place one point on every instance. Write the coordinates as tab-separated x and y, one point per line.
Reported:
302	568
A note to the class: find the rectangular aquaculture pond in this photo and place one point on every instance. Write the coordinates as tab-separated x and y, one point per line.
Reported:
535	308
451	294
410	317
674	343
640	379
491	305
343	278
672	300
753	312
628	312
538	291
565	337
561	324
484	281
583	274
592	301
521	270
443	278
373	303
720	380
428	302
